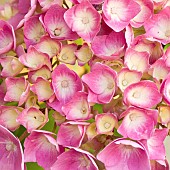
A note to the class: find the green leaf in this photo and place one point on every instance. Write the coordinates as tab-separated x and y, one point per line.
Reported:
79	41
116	134
33	166
11	104
166	46
50	124
98	107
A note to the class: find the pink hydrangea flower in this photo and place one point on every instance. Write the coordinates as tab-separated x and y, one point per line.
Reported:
35	59
17	90
41	147
84	20
46	4
33	30
135	60
124	154
105	123
11	156
8	116
143	94
117	14
84	54
73	159
110	46
165	86
145	13
7	37
48	46
71	134
55	24
42	88
77	108
32	118
43	72
127	77
138	123
11	66
158	26
67	54
65	83
101	83
154	144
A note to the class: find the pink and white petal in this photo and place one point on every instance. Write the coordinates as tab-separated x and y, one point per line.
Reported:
158	26
143	94
136	124
71	135
42	88
127	77
118	14
84	54
74	159
67	54
65	83
7	112
48	46
11	66
34	59
7	37
165	88
111	46
15	88
155	146
55	24
11	151
166	57
43	72
145	13
32	118
124	154
159	70
46	4
138	61
77	108
105	123
33	30
83	19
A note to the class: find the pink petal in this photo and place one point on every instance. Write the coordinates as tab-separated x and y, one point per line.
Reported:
32	118
55	24
124	154
117	14
143	94
77	108
11	151
109	46
74	159
40	146
65	83
84	20
138	123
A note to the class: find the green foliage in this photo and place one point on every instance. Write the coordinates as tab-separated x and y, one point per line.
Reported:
33	166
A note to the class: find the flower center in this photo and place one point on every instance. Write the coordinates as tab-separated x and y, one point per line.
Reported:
85	20
64	57
83	110
110	85
136	94
10	146
57	31
134	67
107	125
64	83
124	82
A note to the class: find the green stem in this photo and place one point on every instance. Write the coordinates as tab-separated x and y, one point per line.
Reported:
23	136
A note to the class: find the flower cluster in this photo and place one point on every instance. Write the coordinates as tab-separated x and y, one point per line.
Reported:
84	84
